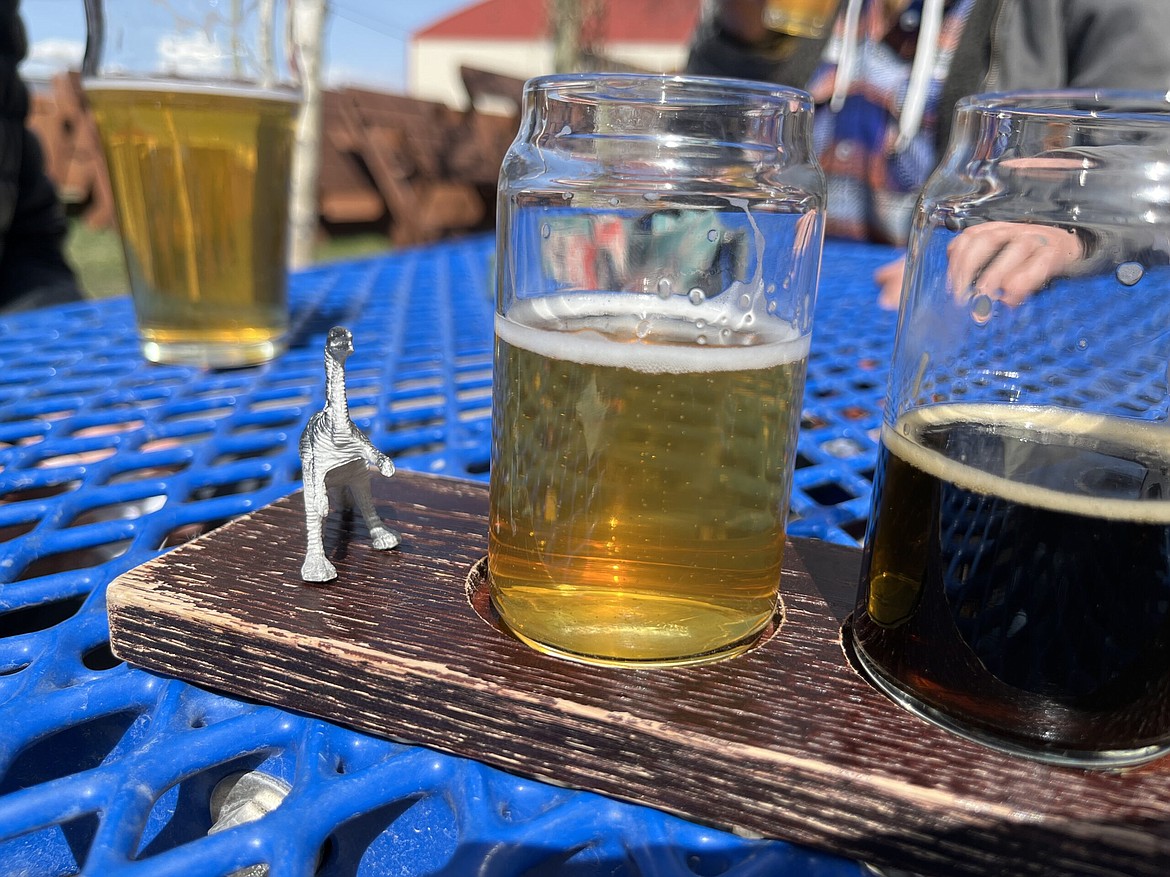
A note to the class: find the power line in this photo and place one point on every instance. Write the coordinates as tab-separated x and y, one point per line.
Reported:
364	19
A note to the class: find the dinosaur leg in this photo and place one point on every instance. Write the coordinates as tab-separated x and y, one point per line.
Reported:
382	537
316	567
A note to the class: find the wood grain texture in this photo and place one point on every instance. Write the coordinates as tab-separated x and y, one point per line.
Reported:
785	741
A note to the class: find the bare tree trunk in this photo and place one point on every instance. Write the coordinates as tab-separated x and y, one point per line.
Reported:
565	21
267	12
308	27
575	32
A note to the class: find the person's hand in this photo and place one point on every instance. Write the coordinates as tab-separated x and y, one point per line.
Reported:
889	281
1008	261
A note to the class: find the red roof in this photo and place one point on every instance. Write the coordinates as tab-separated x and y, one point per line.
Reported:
644	21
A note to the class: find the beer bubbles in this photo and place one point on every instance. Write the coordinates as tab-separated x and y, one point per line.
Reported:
1129	273
642	444
981	308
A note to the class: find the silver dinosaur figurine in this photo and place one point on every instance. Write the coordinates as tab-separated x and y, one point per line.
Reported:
335	453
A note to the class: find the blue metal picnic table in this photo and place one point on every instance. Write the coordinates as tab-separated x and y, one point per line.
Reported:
106	461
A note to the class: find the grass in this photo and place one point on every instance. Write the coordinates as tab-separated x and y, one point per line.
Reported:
96	256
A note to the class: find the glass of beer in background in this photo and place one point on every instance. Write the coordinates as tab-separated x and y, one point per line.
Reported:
800	18
659	244
1016	575
196	119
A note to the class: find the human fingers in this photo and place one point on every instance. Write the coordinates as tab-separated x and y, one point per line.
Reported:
969	253
1028	261
889	279
1010	260
1046	261
804	233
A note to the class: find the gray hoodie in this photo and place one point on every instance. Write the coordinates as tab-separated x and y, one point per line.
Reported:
1005	45
33	270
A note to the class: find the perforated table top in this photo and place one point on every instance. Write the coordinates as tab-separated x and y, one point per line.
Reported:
106	461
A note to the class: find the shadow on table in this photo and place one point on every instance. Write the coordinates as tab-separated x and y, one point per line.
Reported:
834	570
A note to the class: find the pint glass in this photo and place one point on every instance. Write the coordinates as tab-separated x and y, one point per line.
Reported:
801	18
1016	575
196	119
659	244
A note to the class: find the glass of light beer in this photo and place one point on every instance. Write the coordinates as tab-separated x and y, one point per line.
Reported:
1016	576
801	18
659	242
196	117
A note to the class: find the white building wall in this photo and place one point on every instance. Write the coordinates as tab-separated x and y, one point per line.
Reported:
653	57
433	64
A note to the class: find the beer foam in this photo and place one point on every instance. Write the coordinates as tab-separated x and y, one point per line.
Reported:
188	86
544	327
1152	438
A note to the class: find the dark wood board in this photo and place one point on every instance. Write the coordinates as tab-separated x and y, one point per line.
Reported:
785	741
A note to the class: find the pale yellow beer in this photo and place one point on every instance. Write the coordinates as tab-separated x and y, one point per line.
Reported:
801	18
200	177
639	490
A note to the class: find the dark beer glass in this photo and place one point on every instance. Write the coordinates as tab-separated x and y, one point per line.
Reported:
1015	585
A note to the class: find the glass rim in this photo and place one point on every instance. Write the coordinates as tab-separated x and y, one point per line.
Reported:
281	90
737	91
1072	104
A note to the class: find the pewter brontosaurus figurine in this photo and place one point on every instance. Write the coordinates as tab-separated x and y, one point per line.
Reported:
334	450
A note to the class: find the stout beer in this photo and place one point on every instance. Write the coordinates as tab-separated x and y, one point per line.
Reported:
1016	578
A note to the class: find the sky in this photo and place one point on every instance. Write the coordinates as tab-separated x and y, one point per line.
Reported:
365	40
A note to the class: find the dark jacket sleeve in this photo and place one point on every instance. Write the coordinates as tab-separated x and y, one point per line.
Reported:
33	269
1082	44
784	60
1009	45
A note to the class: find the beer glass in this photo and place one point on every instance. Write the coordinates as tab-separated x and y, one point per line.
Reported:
801	18
196	118
659	242
1016	575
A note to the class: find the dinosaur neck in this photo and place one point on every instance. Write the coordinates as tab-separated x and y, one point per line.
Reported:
335	388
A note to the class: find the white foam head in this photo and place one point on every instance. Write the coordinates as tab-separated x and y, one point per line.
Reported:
163	85
587	328
1151	438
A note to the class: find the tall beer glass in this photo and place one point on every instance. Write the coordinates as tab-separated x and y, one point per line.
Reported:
659	247
802	18
196	117
1016	576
